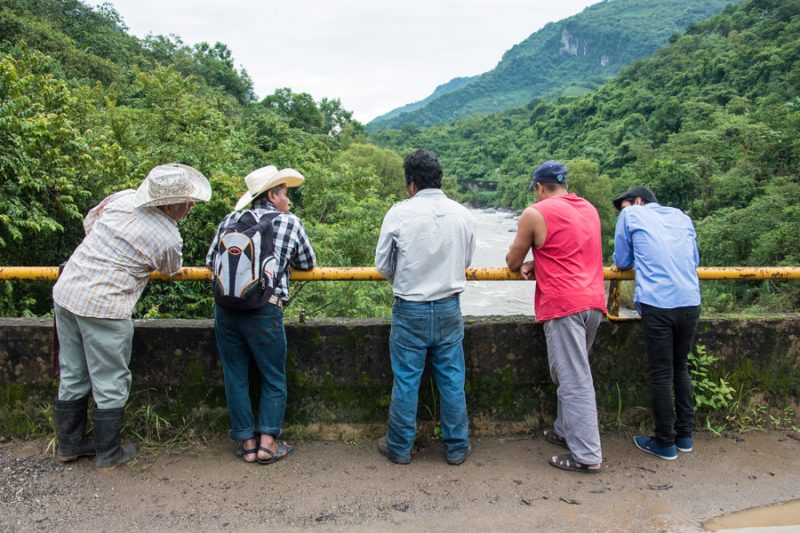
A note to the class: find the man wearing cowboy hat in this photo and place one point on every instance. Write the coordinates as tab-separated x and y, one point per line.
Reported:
128	235
661	244
256	330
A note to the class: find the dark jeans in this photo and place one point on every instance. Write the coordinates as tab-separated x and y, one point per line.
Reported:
668	337
257	335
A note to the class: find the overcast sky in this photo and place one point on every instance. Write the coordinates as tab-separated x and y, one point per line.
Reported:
374	56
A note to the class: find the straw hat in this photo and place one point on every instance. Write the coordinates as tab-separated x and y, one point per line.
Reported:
172	183
266	178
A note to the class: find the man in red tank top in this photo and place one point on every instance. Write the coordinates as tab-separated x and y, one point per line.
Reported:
563	232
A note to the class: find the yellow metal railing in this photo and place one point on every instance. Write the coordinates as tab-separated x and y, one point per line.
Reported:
371	274
473	274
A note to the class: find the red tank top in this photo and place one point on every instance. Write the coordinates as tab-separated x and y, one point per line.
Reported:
569	266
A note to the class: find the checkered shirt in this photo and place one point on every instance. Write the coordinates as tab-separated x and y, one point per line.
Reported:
292	246
108	271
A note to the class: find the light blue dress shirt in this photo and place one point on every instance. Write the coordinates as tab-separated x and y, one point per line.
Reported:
425	244
661	244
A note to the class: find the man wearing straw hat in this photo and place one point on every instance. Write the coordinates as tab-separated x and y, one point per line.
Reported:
128	235
250	258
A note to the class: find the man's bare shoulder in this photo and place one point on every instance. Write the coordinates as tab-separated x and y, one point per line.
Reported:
530	214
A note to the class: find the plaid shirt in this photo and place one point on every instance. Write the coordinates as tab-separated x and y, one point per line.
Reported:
292	246
108	271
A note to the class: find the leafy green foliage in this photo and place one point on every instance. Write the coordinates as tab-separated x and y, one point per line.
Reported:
714	394
86	109
710	396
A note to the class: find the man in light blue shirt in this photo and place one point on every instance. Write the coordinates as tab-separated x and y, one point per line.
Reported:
661	244
425	244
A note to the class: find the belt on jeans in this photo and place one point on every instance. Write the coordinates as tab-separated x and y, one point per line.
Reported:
445	299
277	302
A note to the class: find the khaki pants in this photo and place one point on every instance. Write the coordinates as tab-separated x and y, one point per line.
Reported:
94	356
569	339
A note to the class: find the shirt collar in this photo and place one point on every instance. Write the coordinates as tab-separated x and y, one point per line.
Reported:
430	192
263	203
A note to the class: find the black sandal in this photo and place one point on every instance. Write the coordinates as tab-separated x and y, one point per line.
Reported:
552	437
565	461
283	450
241	451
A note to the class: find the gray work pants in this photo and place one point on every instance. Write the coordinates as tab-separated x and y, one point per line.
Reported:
568	341
94	356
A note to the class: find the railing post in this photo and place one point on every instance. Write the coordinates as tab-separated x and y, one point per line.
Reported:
612	304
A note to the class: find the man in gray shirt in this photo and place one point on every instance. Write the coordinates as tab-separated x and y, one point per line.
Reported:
425	244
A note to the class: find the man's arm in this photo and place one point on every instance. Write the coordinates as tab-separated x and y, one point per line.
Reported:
386	250
212	249
531	232
694	246
623	244
471	245
303	257
172	260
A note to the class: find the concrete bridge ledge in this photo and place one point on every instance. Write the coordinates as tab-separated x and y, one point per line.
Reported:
339	374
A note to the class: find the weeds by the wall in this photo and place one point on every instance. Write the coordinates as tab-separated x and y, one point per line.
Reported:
720	407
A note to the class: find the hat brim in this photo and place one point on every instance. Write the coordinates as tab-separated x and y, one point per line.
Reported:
201	193
288	176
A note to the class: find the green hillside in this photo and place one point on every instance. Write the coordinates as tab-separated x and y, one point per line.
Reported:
87	109
711	123
441	90
569	57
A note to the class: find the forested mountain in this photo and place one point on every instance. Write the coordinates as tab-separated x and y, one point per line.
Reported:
441	90
87	109
711	123
570	57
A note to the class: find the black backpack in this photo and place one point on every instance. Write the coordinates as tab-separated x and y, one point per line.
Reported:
245	267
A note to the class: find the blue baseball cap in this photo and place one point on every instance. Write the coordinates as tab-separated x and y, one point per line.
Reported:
549	172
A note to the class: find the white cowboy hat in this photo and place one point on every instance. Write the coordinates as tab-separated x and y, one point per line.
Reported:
265	178
172	183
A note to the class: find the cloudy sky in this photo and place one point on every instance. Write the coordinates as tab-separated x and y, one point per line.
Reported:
374	56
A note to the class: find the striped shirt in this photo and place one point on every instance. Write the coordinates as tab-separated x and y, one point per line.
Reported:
292	247
108	271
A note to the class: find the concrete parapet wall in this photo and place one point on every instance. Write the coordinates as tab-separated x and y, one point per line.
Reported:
339	372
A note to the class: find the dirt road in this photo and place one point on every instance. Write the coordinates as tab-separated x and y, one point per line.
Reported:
336	486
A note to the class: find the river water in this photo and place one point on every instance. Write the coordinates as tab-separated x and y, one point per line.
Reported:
495	232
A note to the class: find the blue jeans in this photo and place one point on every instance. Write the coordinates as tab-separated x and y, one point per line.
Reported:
419	329
258	334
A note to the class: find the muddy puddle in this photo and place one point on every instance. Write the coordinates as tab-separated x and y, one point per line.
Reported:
785	515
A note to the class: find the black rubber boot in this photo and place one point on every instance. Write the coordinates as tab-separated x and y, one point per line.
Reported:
107	428
70	418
